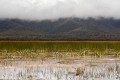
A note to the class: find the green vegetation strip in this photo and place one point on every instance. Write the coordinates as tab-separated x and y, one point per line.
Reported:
58	49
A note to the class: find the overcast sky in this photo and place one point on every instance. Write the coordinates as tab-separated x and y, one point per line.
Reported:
54	9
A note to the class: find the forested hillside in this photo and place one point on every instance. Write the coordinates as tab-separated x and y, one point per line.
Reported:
61	29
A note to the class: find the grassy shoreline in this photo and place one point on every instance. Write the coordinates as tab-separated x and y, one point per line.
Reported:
58	49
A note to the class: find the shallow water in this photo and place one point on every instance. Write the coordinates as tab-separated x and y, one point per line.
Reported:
84	68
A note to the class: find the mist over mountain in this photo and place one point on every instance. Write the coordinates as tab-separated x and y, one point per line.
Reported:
59	19
55	9
60	29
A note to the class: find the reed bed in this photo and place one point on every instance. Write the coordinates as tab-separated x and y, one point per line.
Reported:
60	46
34	50
59	61
35	54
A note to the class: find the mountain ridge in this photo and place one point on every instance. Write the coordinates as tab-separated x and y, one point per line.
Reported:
61	29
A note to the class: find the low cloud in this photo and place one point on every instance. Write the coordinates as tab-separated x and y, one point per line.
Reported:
54	9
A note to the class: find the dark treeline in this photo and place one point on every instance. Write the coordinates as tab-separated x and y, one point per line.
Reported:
60	38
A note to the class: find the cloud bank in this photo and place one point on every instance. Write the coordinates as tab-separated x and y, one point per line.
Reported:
54	9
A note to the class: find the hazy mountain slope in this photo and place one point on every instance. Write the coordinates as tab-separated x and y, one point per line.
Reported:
62	29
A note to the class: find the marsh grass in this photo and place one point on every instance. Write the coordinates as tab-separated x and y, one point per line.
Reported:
66	53
58	49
